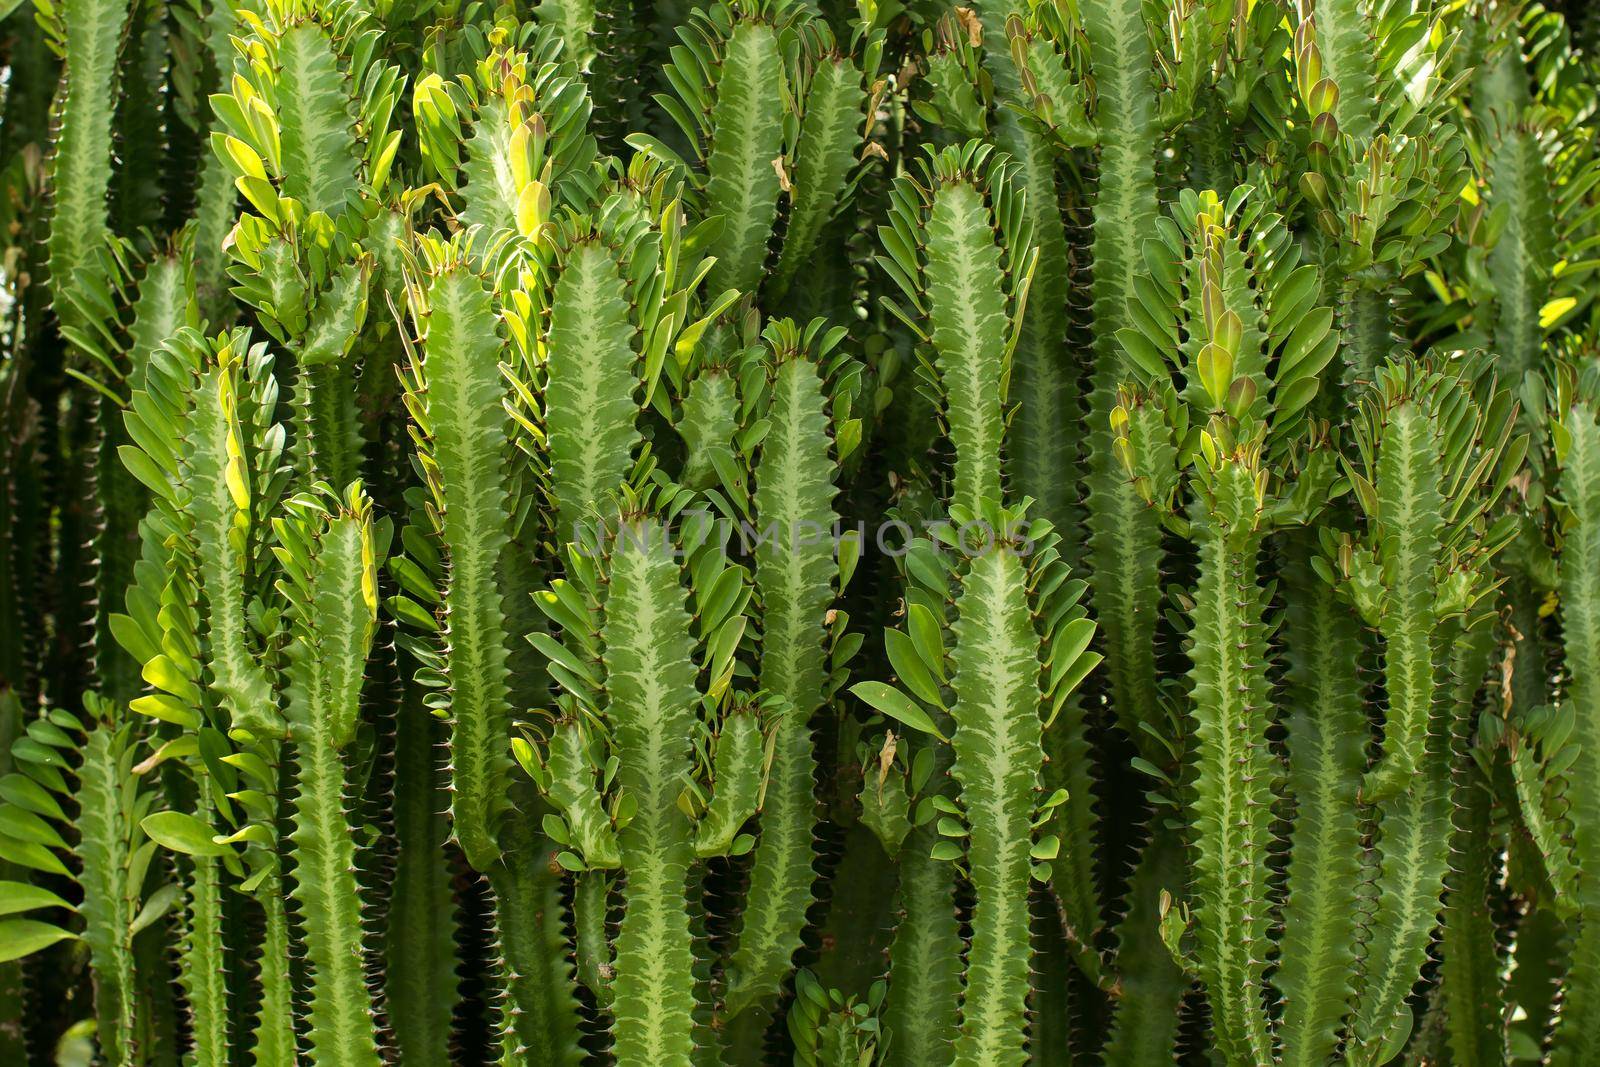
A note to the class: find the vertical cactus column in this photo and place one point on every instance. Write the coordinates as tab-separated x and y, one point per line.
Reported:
1327	735
1044	430
1019	647
958	247
648	657
1123	533
330	583
645	666
795	579
1576	432
455	393
1233	297
774	108
1437	454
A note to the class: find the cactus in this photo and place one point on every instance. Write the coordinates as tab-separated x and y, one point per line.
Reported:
1014	659
757	531
622	764
1573	425
330	584
795	578
1234	299
455	396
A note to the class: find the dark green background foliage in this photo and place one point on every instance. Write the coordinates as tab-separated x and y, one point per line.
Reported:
904	532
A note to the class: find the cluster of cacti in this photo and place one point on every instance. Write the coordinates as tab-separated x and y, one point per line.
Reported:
766	531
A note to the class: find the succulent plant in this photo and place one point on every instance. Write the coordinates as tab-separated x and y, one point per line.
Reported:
763	531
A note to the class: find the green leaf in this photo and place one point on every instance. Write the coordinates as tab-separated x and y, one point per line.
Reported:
1070	642
20	896
926	632
182	832
24	792
26	826
24	937
903	657
29	854
558	653
895	704
159	903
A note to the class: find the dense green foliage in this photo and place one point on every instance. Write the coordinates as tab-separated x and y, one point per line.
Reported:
911	532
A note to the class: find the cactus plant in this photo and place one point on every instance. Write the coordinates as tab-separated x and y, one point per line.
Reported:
760	531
